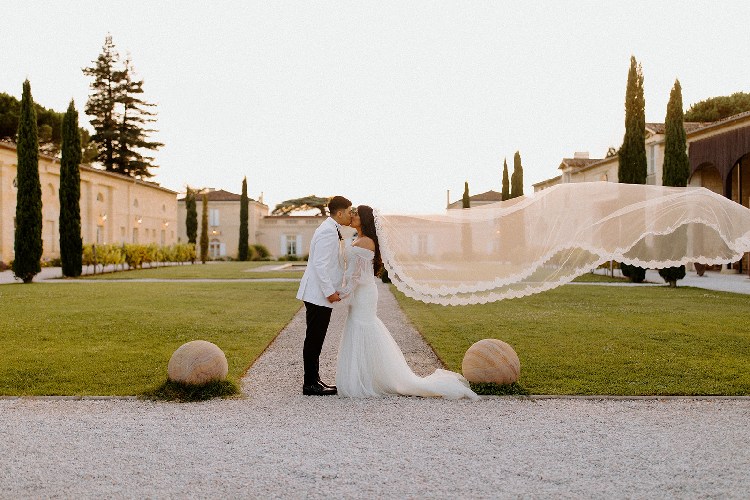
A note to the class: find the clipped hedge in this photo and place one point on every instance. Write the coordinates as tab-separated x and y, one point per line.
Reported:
134	256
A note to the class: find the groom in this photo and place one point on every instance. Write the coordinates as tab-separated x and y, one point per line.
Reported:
322	277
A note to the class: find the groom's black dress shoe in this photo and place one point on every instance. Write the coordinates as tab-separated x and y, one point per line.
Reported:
317	390
326	386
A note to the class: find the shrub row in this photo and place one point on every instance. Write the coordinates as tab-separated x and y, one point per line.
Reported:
134	256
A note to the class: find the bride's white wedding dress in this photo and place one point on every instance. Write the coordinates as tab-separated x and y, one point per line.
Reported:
370	363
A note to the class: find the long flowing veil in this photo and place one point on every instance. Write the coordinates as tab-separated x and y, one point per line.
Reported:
531	244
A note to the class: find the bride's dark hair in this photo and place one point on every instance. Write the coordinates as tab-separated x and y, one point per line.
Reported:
367	228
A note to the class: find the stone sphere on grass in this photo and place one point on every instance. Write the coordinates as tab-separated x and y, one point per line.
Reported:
197	362
491	361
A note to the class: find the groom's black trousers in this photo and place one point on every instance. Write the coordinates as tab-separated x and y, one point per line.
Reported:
318	318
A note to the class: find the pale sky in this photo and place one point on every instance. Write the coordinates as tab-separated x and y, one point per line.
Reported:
387	103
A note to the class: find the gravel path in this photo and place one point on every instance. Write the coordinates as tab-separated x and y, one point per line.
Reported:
278	443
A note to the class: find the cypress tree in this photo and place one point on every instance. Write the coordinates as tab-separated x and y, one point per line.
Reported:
243	250
676	166
191	219
516	179
71	245
506	188
204	230
28	235
632	157
466	238
632	168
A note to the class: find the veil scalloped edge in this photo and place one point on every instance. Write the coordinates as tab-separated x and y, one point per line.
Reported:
533	244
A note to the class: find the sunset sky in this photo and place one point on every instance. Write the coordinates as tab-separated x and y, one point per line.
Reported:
388	103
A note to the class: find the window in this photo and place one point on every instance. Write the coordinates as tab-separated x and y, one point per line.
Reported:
291	244
422	244
163	237
213	217
135	203
100	197
216	249
135	235
651	159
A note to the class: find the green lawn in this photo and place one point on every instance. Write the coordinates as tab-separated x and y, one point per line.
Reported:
211	270
117	338
599	278
606	340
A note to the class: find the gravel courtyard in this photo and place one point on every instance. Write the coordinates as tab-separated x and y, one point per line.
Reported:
277	443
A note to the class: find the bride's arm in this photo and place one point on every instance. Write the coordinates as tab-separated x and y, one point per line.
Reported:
354	274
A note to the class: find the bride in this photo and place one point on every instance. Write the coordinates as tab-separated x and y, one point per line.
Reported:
370	362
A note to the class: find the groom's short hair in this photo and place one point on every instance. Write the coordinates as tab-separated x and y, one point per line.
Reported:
338	203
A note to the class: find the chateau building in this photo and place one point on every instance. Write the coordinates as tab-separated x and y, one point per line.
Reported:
476	200
718	152
282	235
114	208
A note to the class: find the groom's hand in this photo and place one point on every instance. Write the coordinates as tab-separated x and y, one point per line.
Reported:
334	298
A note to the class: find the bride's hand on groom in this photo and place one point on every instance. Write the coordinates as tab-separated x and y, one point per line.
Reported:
334	298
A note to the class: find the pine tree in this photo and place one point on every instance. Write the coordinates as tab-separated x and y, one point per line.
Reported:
516	179
506	188
466	201
191	219
632	168
242	254
71	245
106	92
120	115
28	234
676	166
133	137
204	230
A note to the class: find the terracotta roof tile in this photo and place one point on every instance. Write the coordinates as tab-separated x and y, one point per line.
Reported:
219	195
488	196
578	162
659	128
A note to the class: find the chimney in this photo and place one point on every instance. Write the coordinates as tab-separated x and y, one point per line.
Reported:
581	155
448	198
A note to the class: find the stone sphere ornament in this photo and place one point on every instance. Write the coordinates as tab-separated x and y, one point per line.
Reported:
491	361
197	362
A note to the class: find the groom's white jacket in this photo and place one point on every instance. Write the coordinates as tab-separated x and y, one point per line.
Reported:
324	272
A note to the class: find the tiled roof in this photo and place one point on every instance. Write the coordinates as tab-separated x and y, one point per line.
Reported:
219	195
84	166
488	196
578	162
659	128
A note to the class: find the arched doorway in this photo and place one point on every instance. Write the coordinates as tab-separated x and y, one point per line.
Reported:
709	177
738	190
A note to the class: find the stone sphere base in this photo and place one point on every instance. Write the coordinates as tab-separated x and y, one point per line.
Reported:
197	362
491	361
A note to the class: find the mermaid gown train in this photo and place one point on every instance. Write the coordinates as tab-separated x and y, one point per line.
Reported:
370	363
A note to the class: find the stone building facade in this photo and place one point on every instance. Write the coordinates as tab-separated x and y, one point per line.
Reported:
114	208
718	152
282	235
